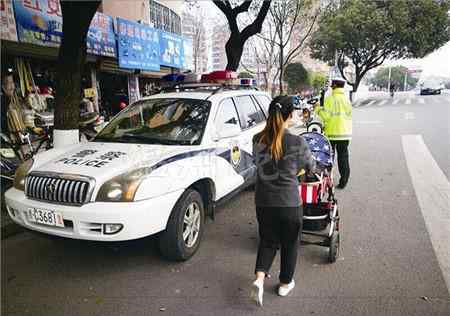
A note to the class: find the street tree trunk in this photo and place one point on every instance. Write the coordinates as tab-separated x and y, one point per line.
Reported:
234	49
77	17
281	69
235	44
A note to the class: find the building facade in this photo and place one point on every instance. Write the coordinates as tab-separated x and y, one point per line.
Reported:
220	36
34	49
218	55
193	27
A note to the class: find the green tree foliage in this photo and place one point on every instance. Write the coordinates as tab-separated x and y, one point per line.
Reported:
366	32
318	81
381	78
296	76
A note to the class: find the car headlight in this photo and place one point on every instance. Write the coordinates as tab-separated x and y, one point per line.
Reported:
21	173
122	188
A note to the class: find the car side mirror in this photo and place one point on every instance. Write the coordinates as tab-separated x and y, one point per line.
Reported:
228	130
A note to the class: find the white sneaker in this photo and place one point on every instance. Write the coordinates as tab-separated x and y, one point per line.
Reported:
284	290
257	292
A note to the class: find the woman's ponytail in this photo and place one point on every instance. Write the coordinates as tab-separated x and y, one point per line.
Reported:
272	134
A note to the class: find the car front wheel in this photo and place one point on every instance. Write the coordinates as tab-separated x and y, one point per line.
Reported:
184	230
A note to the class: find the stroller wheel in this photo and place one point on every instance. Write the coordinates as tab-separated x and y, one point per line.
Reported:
333	253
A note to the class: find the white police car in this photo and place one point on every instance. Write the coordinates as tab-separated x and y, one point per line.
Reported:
160	166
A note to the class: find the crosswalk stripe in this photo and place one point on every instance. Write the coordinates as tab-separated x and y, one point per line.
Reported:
396	101
383	102
421	101
408	101
370	103
433	195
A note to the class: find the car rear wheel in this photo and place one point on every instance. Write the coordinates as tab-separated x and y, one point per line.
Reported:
184	230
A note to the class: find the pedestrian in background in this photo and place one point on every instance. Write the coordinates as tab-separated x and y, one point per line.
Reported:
279	156
336	114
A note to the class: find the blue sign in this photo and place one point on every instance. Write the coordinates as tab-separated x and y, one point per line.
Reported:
171	50
138	46
39	21
100	38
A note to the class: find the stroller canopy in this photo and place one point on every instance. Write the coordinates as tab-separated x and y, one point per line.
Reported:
320	148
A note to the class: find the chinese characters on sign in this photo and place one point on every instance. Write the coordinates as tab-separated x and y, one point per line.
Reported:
8	22
100	38
171	50
138	46
39	21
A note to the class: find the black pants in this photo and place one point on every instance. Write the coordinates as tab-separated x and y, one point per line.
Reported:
340	147
278	226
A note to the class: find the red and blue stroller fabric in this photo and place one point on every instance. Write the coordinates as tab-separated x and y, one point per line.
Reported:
320	148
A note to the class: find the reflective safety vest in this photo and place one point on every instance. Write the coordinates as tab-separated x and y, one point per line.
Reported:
336	114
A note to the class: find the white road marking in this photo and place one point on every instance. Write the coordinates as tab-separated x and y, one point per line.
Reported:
396	101
408	101
421	101
383	102
370	103
410	116
433	195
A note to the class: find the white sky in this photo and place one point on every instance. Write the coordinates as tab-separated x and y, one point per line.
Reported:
435	64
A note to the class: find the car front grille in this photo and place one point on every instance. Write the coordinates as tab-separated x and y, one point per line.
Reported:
59	188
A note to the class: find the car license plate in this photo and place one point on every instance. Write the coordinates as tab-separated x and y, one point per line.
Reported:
50	218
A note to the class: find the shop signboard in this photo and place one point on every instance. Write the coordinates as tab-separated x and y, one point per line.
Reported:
8	21
39	21
138	46
171	50
100	38
188	54
89	93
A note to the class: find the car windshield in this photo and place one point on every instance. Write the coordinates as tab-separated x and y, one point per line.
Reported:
171	121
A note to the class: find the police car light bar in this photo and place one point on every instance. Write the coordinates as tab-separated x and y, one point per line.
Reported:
216	80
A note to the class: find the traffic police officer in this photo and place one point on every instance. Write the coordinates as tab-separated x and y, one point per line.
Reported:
336	115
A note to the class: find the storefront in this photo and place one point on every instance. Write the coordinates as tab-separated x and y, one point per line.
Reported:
125	60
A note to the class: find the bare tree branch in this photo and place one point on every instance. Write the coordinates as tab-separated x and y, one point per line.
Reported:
256	26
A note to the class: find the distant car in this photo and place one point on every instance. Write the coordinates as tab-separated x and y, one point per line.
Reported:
431	86
427	91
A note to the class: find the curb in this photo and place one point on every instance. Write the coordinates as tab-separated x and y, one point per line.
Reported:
11	229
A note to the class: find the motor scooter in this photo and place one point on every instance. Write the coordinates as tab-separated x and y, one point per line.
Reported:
9	162
90	124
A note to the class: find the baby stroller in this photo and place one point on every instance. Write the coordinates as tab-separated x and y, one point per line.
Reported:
320	210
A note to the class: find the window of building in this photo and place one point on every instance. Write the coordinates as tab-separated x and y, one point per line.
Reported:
163	18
